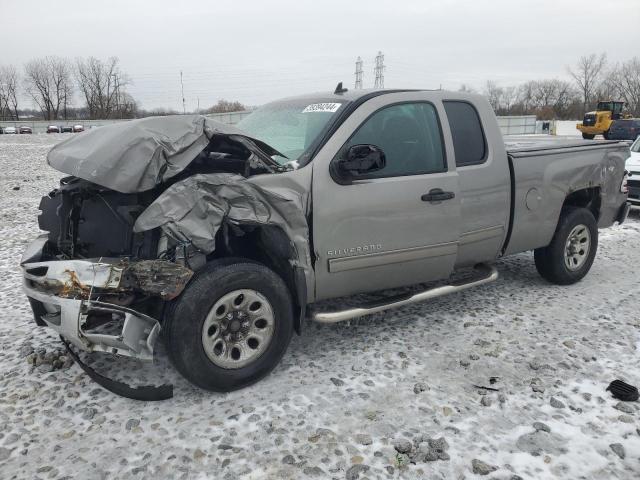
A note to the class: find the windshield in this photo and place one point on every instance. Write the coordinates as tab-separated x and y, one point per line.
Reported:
290	126
636	146
615	107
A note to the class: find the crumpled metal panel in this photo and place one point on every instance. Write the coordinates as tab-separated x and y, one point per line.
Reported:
77	278
137	155
195	208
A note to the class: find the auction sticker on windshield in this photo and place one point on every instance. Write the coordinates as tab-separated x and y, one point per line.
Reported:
322	107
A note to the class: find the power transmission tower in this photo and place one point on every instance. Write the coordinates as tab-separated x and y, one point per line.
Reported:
378	71
184	108
359	73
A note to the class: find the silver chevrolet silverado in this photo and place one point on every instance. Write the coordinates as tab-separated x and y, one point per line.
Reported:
225	238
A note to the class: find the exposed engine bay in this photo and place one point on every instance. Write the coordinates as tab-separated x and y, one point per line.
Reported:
87	220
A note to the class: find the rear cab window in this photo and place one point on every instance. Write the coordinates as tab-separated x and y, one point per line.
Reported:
469	142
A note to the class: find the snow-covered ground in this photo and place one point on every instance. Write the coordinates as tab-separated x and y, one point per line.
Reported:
345	396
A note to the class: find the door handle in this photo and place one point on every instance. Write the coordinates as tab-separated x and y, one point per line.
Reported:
437	195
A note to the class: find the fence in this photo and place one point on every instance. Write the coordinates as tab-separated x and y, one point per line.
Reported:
517	125
230	118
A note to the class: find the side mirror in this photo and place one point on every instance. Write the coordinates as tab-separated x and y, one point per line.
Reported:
361	160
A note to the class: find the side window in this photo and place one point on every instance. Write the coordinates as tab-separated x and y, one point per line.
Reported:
408	134
469	143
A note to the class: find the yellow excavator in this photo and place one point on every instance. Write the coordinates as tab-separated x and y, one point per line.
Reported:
598	122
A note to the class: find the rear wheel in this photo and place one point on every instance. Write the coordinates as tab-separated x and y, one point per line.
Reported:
588	136
569	256
231	326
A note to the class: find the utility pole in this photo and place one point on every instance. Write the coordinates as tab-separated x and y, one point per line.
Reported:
378	71
184	108
359	73
116	90
2	87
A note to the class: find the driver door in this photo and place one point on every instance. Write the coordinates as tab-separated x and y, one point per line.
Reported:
385	229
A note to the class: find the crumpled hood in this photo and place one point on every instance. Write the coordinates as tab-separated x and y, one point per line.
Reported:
137	155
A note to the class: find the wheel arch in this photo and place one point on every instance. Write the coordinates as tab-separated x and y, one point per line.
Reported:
272	247
588	198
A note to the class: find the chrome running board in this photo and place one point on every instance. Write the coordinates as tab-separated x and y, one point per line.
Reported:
488	273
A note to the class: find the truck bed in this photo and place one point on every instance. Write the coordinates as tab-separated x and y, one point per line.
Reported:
529	143
546	170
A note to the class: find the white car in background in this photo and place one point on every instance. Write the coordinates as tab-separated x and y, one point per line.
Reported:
10	130
633	167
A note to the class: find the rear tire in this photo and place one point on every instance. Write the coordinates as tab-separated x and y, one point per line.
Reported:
231	325
569	256
588	136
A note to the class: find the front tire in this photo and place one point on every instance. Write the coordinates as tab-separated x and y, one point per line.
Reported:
569	256
231	325
588	136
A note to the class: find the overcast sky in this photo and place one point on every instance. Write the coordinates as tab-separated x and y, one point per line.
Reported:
262	50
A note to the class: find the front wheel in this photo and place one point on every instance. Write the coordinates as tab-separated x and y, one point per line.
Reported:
231	325
569	256
588	136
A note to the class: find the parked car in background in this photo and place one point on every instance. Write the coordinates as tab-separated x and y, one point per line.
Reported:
67	129
10	130
25	129
633	167
625	129
53	129
78	128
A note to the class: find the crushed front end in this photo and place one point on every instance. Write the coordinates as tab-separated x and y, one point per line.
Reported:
92	279
98	277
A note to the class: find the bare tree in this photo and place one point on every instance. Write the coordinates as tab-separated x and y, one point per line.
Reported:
526	93
9	79
224	106
493	93
102	85
608	88
564	97
587	75
509	98
4	100
48	81
128	107
626	78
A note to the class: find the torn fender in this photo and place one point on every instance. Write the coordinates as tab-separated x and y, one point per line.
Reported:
194	209
138	155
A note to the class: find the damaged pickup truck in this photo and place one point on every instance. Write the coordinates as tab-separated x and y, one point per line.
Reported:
225	237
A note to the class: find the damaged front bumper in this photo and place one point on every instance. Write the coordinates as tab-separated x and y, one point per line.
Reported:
67	296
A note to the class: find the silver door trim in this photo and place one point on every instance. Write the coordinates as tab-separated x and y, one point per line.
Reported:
392	256
481	234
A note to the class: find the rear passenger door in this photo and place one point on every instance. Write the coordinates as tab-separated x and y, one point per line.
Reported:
383	230
484	180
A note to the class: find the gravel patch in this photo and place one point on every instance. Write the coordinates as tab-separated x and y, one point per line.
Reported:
390	395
